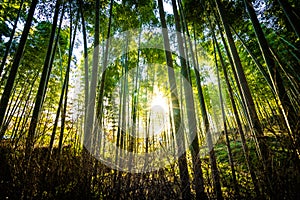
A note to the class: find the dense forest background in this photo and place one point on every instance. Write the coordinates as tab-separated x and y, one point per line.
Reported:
127	99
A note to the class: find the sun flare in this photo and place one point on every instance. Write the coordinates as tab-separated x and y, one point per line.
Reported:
161	101
159	113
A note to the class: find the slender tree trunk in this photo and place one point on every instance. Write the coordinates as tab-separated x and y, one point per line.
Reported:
239	126
246	94
148	119
22	117
212	157
230	157
49	152
117	174
8	45
89	134
291	15
14	68
42	86
247	97
12	107
259	66
190	109
284	101
92	94
86	65
135	104
294	87
67	76
230	59
105	60
61	97
183	170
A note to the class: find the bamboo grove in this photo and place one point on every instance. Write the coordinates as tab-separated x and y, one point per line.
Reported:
127	99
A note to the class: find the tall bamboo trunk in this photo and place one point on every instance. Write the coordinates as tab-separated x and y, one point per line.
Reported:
86	64
89	134
190	108
230	157
291	15
183	170
284	101
42	85
8	45
238	121
204	114
14	68
246	94
247	98
67	77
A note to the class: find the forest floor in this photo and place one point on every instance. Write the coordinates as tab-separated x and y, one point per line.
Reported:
65	178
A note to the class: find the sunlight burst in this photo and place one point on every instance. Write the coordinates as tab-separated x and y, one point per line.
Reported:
158	113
